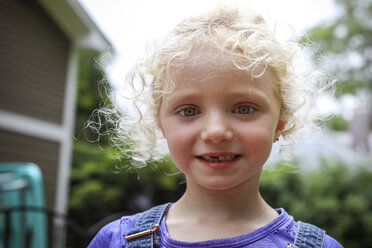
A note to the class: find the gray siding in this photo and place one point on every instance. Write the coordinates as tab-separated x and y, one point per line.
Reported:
33	61
33	65
21	148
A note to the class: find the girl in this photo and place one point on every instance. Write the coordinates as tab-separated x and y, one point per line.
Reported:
220	90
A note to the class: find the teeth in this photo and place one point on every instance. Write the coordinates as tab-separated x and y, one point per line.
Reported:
218	159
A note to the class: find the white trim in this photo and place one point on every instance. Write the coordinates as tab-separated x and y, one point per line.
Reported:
76	23
31	126
63	173
68	122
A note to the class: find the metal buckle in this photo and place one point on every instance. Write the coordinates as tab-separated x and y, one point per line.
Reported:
144	233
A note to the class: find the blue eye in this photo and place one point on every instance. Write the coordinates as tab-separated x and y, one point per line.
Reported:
189	111
244	109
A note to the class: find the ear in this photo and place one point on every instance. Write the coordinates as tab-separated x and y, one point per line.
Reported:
158	121
279	129
160	126
162	131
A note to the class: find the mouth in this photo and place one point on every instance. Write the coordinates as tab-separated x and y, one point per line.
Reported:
219	158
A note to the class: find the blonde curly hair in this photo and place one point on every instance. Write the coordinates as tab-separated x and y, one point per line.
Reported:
244	35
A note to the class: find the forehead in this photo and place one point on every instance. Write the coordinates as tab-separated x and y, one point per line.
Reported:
206	58
206	63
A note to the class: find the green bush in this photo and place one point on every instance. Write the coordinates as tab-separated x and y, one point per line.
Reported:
332	197
337	123
101	186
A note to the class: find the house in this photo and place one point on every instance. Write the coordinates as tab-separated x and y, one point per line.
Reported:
39	44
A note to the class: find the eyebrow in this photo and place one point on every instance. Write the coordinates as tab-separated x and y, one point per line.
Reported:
178	97
194	94
252	93
184	95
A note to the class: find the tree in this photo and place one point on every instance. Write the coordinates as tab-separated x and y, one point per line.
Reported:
333	197
345	49
345	45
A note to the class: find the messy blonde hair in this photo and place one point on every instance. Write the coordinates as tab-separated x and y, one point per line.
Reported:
248	38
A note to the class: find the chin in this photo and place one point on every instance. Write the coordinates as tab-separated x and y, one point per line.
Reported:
220	186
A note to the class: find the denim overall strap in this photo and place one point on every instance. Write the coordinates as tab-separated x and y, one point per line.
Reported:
144	234
309	236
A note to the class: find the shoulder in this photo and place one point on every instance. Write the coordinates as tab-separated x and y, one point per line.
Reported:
289	229
310	234
112	234
330	242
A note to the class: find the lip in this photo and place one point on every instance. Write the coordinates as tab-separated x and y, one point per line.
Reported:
218	165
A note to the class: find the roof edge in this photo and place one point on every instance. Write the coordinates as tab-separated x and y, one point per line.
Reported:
71	17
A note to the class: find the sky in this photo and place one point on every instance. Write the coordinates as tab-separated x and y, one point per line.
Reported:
131	25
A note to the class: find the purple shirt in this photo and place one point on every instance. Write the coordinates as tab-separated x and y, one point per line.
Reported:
278	233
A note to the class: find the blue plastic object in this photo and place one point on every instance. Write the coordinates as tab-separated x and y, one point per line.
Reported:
22	216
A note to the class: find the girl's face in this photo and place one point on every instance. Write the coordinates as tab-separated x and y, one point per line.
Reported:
219	123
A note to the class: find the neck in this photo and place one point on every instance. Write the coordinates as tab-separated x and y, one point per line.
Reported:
241	202
200	213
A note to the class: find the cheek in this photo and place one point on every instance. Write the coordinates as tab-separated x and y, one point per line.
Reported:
177	131
180	140
258	138
177	138
178	152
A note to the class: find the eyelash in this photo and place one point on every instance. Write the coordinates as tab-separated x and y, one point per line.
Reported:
197	112
182	111
249	107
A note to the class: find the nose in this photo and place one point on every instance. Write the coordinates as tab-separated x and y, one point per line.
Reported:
216	128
